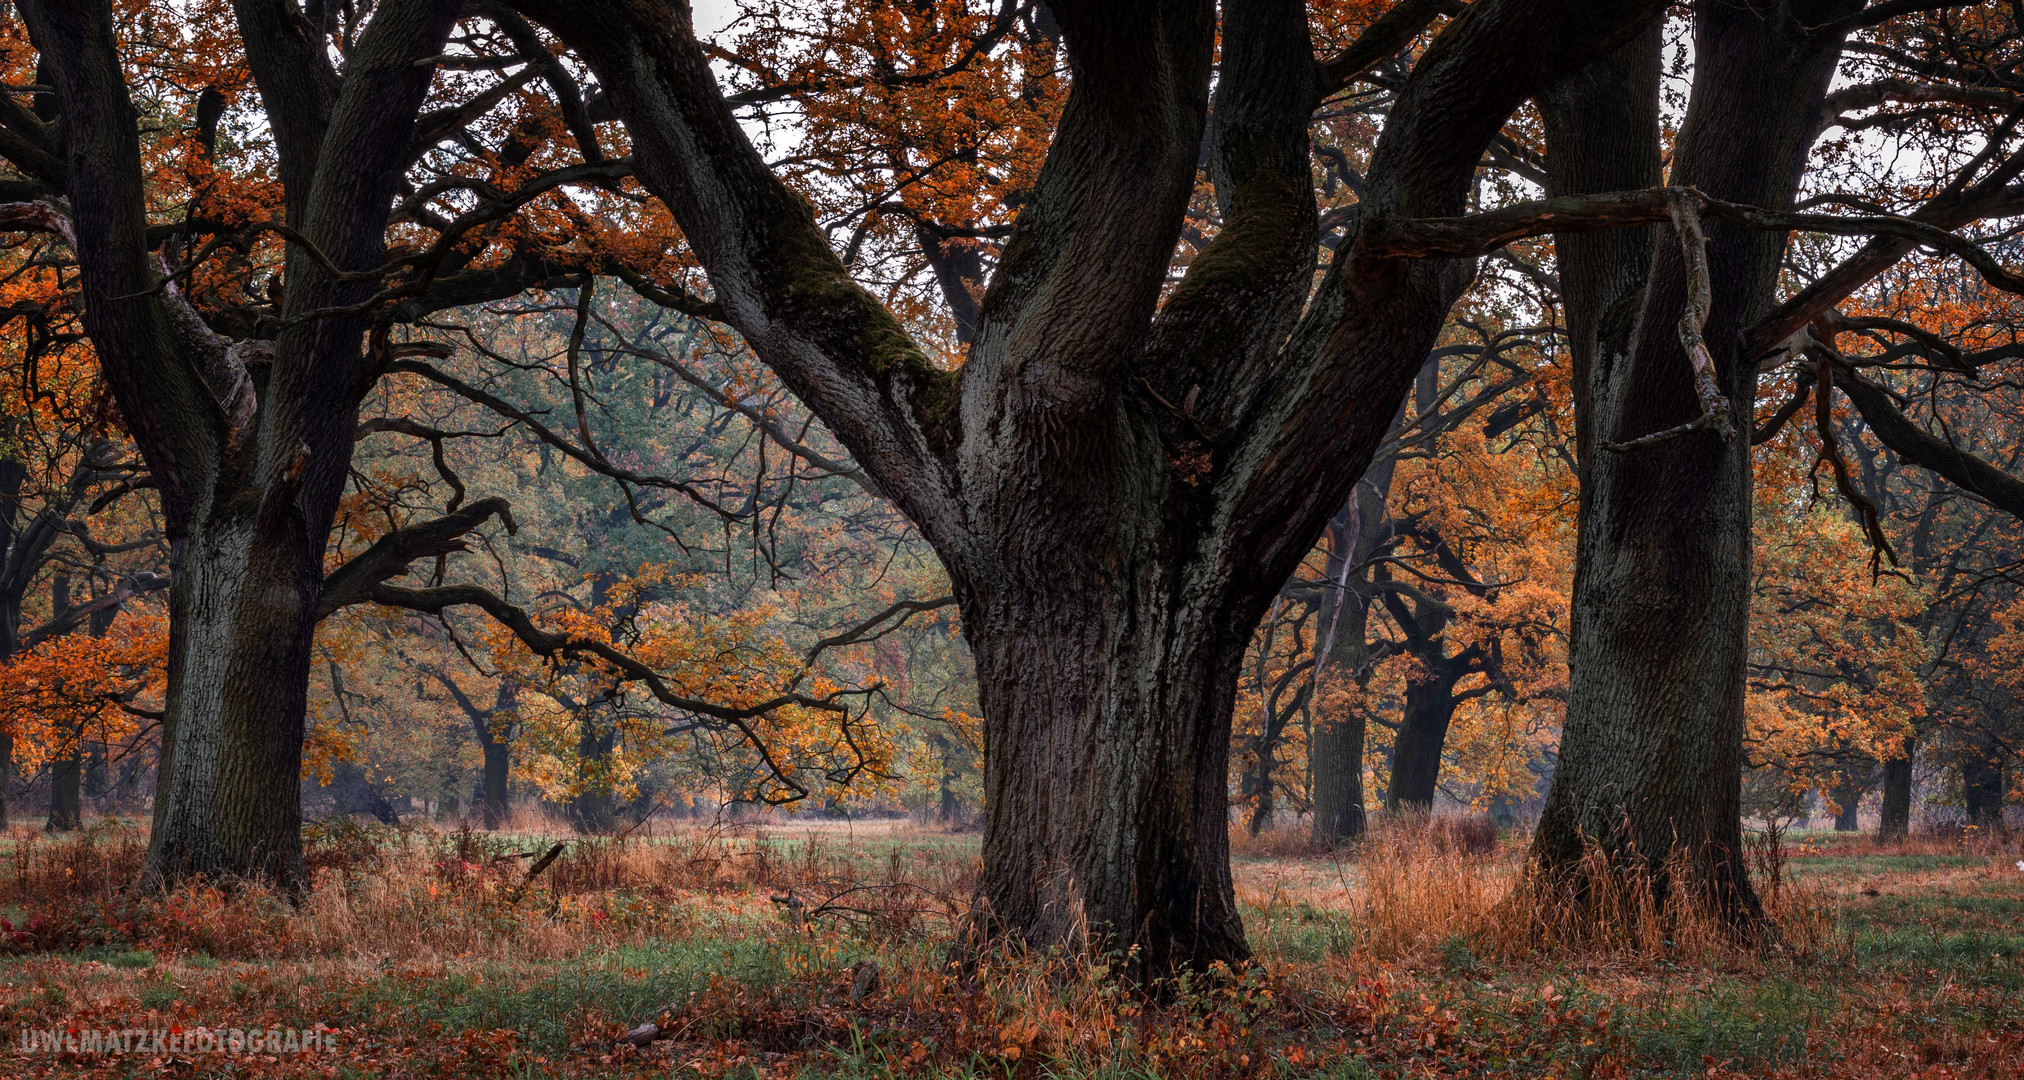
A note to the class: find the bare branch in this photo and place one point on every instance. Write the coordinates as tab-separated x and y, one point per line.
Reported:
74	616
861	633
355	581
514	618
1919	447
1830	452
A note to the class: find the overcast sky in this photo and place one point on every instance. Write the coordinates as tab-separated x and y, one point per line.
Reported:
712	15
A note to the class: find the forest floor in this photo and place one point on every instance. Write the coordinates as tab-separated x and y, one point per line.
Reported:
821	952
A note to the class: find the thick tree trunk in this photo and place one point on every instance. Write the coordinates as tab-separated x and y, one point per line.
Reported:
242	615
1847	805
1125	473
1335	753
1652	751
1894	813
248	443
1106	809
1423	735
594	807
1337	758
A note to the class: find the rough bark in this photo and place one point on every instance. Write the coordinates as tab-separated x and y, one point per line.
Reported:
1651	754
1118	486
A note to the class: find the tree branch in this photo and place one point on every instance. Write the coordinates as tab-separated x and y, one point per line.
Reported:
770	266
543	643
75	615
1382	40
389	556
1914	444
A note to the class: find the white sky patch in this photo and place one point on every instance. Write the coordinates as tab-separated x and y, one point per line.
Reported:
713	15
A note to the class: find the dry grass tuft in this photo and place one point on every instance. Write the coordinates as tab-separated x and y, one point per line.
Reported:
382	892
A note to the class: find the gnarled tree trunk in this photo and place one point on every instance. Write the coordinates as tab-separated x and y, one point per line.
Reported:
1106	765
242	616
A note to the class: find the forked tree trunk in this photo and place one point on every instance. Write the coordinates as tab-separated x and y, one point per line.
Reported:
1124	474
1335	753
1894	811
1652	750
248	442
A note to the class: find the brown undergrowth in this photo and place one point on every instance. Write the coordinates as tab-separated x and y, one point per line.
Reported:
1411	953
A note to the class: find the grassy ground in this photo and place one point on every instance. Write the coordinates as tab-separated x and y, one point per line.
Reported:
821	953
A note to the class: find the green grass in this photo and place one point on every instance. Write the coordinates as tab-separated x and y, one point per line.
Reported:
624	985
1300	932
132	958
1809	865
1745	1024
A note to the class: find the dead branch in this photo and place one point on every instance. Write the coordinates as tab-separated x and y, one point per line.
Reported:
1715	410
